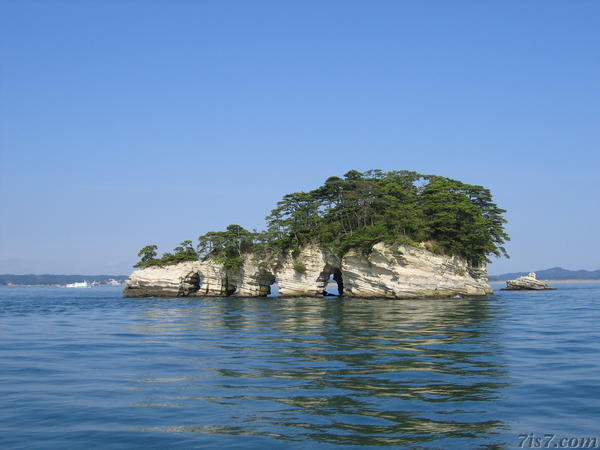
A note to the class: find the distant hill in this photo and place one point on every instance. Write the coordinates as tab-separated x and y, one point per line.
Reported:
32	280
555	273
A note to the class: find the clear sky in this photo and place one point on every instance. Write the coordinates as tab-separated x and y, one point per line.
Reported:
124	123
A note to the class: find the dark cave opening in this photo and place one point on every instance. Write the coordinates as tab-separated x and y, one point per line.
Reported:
268	285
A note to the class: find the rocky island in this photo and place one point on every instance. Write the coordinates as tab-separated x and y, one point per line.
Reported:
376	234
526	283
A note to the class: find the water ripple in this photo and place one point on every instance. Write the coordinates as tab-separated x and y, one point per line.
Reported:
83	368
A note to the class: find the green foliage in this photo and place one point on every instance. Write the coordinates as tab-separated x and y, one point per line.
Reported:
184	252
358	211
300	268
147	256
228	246
362	209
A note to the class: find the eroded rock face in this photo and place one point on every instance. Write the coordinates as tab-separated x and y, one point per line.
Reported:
316	265
409	272
526	283
198	278
388	272
167	281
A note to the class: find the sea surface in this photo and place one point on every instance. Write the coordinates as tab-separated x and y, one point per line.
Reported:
85	368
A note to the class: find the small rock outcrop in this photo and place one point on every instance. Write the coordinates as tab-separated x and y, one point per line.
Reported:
526	283
386	272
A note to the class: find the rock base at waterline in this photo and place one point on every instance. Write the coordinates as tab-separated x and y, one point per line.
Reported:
387	272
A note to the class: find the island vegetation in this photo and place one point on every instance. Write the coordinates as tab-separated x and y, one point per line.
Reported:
356	212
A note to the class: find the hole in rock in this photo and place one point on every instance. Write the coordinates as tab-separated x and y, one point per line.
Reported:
195	281
230	290
268	285
334	286
189	285
273	290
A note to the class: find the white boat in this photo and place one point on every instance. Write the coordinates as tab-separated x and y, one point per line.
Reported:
81	284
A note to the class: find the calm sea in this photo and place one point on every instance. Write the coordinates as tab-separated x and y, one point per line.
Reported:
85	368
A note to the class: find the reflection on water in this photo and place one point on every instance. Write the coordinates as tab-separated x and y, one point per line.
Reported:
340	371
89	368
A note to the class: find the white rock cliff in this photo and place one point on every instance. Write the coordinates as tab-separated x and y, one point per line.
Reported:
387	272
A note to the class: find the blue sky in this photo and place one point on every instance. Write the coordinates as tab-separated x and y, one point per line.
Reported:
128	122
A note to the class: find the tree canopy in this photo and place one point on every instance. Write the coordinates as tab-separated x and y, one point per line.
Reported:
360	210
183	252
227	246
